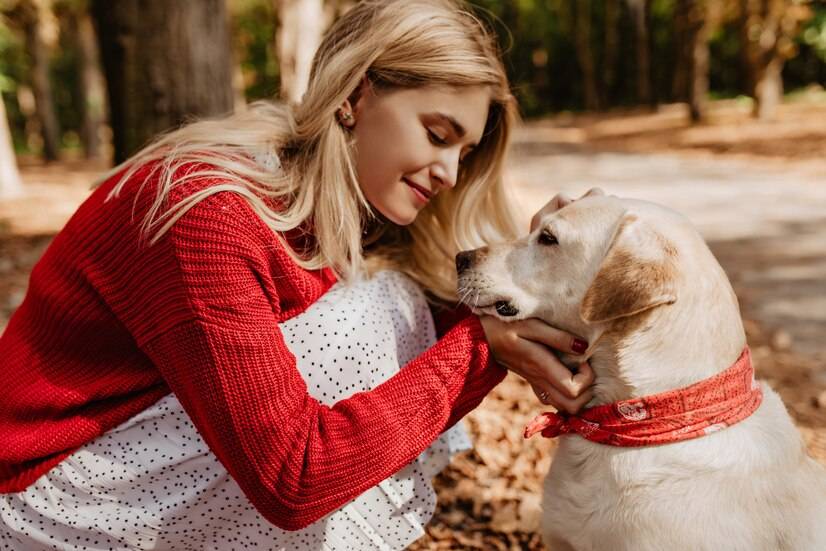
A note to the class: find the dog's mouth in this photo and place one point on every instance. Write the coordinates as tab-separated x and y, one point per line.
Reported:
503	307
478	292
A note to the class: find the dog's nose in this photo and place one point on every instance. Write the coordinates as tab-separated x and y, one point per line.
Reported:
464	260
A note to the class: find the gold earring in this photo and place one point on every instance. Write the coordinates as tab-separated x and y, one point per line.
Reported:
345	116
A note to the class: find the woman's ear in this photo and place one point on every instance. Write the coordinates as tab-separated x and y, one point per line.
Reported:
349	111
637	274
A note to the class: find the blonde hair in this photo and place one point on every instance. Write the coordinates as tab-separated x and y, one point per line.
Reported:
394	43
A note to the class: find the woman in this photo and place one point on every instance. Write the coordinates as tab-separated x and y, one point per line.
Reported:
185	372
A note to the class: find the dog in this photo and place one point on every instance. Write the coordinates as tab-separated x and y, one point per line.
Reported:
640	284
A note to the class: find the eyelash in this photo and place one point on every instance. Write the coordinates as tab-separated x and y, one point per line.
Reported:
436	140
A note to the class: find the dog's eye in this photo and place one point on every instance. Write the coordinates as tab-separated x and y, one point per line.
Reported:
547	238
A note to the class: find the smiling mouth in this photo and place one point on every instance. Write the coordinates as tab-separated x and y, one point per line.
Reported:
425	194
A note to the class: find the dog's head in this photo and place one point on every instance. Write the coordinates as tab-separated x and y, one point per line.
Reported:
595	261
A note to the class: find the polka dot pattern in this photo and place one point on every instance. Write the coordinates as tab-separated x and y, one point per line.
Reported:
152	483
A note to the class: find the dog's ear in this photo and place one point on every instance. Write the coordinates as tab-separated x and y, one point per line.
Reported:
637	273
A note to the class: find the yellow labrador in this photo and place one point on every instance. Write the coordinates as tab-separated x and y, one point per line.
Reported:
640	284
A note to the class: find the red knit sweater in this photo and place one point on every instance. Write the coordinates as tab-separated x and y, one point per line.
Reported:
110	325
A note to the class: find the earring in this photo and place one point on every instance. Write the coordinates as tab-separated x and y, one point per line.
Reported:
345	117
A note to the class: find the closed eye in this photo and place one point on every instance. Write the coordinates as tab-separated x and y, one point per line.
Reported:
547	238
435	138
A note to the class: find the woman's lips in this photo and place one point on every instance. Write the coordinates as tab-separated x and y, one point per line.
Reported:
421	193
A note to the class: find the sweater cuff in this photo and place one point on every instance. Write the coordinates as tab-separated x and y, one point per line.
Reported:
482	377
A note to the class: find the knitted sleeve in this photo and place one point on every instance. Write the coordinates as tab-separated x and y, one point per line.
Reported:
295	459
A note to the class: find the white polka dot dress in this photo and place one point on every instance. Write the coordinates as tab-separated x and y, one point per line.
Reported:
152	483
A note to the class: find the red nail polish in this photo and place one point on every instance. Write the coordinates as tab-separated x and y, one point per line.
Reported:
579	346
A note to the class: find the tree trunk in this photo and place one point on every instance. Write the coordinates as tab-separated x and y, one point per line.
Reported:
639	16
609	57
703	17
301	24
10	185
92	84
165	63
768	90
683	48
767	29
31	15
585	54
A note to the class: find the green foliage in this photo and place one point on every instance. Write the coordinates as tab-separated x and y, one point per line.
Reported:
538	38
809	65
814	34
253	26
13	69
726	73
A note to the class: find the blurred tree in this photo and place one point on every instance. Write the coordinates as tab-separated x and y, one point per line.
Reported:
34	17
165	63
767	30
695	20
253	29
10	184
610	49
301	24
808	68
585	53
77	24
682	54
642	46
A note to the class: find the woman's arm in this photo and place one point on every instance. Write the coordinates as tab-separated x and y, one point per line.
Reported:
295	459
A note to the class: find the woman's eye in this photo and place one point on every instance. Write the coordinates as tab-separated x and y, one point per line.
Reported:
435	138
547	238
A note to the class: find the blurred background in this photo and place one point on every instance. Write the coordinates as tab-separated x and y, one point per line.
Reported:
714	107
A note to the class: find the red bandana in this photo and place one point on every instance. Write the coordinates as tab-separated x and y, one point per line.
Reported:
682	414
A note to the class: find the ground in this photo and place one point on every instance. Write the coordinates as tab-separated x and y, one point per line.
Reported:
756	191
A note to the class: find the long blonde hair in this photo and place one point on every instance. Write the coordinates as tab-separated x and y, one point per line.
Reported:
394	43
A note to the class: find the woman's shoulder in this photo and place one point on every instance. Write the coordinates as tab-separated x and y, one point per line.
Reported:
158	192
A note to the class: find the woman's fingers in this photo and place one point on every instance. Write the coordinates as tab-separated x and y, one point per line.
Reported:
539	331
559	200
542	368
593	192
524	347
551	397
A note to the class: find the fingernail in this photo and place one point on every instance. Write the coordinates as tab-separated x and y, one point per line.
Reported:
579	346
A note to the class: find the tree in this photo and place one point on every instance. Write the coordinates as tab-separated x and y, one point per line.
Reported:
91	84
585	53
301	24
639	17
695	20
10	185
611	49
33	16
165	63
767	30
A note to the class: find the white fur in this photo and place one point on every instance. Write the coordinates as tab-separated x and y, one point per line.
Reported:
750	487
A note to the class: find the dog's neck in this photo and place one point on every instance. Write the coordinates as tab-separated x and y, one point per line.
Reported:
668	347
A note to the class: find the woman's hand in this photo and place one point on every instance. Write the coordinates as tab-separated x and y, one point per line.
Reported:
523	347
560	200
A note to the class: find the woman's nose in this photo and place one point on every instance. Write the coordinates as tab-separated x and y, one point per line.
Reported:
446	169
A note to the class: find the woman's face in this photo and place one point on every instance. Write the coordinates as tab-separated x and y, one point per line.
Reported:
410	143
